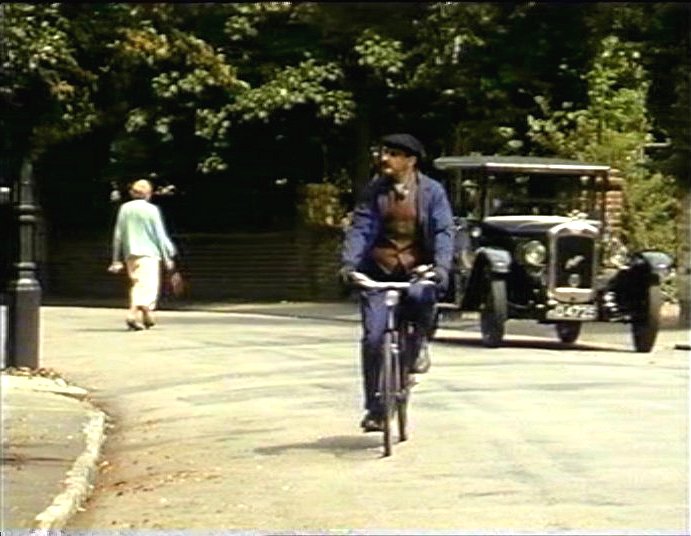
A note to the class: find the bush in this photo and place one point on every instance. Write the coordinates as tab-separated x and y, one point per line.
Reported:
321	206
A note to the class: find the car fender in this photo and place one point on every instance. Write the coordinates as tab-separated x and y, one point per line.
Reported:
650	267
497	261
632	282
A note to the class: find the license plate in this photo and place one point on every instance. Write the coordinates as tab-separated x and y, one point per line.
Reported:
575	311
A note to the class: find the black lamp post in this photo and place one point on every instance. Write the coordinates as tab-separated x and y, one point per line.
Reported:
23	287
19	286
6	241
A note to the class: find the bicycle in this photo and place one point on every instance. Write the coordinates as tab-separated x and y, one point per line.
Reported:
394	377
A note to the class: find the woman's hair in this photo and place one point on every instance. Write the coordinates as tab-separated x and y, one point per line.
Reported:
141	189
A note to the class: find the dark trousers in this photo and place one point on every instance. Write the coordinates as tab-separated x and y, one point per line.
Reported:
416	305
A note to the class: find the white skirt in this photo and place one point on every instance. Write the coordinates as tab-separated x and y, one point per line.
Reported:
144	273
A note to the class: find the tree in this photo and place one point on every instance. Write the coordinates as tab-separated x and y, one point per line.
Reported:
46	94
614	129
176	80
198	93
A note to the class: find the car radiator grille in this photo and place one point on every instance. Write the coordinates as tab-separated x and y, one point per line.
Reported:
574	262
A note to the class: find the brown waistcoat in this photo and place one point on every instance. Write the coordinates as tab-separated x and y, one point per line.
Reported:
398	248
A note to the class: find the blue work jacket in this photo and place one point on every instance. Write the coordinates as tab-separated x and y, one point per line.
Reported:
435	221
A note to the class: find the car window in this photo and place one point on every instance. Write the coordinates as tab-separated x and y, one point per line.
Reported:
545	195
465	193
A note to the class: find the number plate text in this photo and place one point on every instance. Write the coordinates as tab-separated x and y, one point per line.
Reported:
574	311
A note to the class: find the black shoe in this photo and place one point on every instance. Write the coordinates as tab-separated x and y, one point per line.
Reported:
147	319
133	325
422	362
372	423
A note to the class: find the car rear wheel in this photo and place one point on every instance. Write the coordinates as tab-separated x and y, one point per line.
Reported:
493	313
646	321
568	332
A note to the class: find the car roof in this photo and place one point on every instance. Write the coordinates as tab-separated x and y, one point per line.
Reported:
529	164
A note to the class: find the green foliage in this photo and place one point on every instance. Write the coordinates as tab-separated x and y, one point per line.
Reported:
180	89
614	129
651	209
246	18
308	85
43	86
385	57
480	64
190	80
305	83
447	41
320	206
447	70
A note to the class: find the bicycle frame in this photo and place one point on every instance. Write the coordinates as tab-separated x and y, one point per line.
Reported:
393	380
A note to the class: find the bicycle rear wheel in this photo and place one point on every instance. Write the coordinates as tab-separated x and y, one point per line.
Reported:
402	412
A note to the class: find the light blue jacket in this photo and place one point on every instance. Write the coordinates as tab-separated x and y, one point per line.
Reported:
139	231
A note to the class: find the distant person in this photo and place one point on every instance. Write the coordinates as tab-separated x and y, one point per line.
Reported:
141	241
402	220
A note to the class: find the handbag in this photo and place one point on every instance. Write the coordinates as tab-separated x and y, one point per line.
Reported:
176	283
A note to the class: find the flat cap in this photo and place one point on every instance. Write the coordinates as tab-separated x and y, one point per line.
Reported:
410	144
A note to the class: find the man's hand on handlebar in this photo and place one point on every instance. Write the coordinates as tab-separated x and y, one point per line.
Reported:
441	276
344	275
423	271
348	277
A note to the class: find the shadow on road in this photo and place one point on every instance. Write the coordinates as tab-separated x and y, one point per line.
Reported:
102	330
533	343
340	446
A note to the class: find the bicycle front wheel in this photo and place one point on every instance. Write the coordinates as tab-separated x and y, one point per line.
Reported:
403	389
387	388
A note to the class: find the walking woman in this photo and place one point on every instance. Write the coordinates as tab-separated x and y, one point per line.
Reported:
141	240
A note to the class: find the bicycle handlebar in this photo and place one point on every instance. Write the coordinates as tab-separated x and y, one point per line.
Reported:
421	274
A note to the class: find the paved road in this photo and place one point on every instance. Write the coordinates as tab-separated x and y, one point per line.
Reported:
243	421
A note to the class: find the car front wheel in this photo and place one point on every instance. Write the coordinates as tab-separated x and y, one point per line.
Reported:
646	322
493	313
568	332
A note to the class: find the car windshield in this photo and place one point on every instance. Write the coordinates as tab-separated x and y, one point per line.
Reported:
511	194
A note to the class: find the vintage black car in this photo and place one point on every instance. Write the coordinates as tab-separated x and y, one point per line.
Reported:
534	242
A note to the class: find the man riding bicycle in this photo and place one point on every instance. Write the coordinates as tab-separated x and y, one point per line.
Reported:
402	219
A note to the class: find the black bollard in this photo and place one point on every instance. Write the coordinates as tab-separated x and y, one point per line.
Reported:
24	289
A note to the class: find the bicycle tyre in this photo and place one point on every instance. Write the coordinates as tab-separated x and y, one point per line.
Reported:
402	388
386	389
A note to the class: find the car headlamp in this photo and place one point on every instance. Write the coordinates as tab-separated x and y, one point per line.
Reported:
534	253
